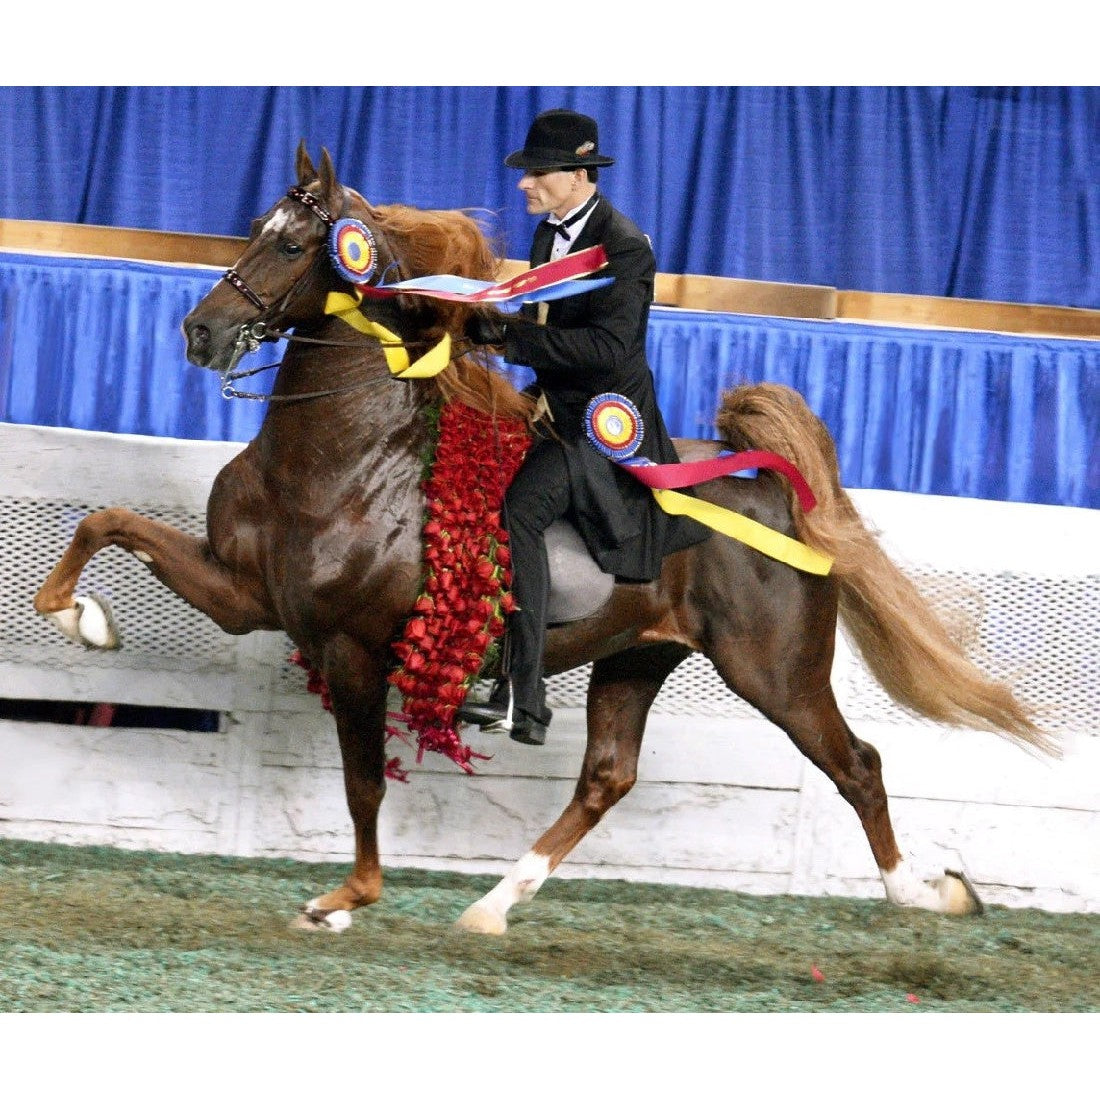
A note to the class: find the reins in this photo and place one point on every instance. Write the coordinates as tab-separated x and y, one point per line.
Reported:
230	391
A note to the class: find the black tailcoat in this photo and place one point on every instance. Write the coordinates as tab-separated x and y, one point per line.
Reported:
594	343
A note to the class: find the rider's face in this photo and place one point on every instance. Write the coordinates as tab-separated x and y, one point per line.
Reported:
554	191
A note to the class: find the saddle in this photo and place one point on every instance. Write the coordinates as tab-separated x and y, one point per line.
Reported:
578	586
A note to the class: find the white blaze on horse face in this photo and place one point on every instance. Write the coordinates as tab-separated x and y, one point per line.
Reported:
277	223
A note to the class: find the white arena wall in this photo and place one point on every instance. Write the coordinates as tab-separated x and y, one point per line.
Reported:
723	799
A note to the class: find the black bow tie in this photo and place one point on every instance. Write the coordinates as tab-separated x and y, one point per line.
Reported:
561	227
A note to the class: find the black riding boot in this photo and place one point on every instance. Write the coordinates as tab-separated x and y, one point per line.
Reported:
499	714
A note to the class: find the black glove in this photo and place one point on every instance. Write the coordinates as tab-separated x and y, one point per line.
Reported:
485	328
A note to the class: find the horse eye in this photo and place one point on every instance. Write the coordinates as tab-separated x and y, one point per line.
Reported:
289	248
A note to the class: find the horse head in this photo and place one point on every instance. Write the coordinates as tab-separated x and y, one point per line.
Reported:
283	277
323	236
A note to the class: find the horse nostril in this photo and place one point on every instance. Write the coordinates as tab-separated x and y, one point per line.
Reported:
199	335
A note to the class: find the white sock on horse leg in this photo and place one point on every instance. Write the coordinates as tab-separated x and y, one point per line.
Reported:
520	884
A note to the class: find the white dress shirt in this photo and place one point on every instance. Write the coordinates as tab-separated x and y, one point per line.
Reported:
561	244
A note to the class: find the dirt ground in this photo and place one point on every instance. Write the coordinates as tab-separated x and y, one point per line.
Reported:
101	930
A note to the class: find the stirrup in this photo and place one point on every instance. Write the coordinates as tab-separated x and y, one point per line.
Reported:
496	714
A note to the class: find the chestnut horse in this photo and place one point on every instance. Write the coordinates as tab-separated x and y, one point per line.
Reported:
315	529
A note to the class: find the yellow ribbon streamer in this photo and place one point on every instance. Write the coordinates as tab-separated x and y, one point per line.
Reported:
748	531
436	359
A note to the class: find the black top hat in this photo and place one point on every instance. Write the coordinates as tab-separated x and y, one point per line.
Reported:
560	139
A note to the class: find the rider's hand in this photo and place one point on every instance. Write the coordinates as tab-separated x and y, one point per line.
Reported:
485	328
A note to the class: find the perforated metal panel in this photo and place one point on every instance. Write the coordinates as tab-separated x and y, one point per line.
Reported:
290	678
1037	633
159	629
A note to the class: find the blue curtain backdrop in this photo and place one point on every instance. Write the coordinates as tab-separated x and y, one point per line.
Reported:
96	344
964	191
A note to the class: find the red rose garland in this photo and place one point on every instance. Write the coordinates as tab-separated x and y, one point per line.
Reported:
461	609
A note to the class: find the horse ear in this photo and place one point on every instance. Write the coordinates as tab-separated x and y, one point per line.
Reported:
306	172
327	175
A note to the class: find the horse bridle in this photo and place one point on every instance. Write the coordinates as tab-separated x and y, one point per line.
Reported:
253	333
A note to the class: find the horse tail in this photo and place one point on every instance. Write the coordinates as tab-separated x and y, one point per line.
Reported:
895	630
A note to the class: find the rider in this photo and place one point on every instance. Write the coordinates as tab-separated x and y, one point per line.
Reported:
579	347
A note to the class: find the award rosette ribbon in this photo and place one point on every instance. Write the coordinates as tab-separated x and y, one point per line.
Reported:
352	250
613	425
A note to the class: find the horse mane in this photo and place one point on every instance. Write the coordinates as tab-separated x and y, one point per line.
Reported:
451	242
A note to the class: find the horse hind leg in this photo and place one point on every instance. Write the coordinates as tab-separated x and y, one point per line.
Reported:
855	768
799	699
89	621
620	693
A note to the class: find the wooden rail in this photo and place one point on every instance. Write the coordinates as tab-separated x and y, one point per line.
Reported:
129	244
705	293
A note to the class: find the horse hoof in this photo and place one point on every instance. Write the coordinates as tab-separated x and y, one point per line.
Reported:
89	621
959	897
483	920
312	919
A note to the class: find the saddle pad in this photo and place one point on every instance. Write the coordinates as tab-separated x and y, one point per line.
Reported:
578	587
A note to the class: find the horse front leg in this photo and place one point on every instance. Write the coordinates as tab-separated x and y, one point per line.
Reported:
620	693
181	562
358	691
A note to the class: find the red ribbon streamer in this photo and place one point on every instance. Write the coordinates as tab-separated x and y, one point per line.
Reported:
683	474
